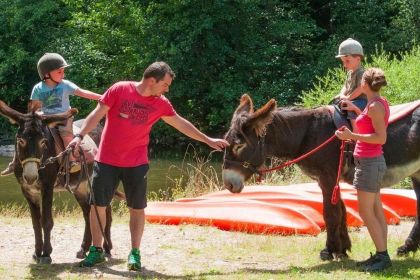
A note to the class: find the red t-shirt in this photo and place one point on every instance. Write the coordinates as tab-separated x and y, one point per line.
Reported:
129	120
364	126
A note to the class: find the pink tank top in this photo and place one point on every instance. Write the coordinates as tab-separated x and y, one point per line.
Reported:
364	126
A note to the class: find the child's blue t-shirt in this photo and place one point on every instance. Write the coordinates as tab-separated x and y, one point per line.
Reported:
54	100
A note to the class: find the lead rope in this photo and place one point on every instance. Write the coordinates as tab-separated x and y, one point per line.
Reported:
336	191
92	195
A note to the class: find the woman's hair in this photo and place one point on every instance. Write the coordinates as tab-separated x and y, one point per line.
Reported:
375	78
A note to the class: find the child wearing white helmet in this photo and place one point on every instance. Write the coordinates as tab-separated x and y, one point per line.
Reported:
52	94
351	54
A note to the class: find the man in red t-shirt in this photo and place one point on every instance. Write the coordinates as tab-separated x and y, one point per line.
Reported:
131	109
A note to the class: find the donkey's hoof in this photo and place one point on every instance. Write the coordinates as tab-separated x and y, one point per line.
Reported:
405	249
326	255
45	260
35	258
81	254
108	255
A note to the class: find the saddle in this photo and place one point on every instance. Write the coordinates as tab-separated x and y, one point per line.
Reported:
396	113
89	147
340	119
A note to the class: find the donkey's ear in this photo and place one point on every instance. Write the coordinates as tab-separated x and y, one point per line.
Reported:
34	105
262	117
245	105
55	119
14	116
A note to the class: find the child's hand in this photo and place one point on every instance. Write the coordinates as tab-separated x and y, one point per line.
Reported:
347	105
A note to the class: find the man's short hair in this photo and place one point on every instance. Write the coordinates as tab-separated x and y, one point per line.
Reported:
158	70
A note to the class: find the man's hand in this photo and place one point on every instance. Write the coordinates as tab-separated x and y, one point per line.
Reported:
217	144
75	144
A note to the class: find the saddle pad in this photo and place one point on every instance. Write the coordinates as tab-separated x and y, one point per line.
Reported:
396	113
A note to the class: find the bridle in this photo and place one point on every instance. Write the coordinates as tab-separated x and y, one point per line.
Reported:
246	164
30	159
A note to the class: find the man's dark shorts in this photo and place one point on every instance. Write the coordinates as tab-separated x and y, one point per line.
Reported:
107	177
369	173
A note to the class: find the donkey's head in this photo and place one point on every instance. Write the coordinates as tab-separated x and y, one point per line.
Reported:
31	138
246	136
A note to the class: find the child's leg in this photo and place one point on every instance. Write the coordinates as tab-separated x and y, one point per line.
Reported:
351	115
66	133
10	168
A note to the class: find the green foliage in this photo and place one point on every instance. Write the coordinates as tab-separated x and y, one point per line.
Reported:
403	78
218	49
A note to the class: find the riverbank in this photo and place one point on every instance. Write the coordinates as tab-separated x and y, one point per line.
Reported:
193	252
7	150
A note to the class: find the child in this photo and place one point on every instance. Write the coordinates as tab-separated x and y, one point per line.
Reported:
52	96
351	54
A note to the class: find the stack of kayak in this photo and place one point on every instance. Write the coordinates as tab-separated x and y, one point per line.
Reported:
286	210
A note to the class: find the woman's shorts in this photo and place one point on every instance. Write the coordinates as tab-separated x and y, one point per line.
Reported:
359	103
369	173
107	177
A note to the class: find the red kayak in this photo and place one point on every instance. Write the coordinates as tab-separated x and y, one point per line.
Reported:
312	201
293	209
241	215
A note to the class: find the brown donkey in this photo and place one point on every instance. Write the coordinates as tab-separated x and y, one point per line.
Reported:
287	133
34	145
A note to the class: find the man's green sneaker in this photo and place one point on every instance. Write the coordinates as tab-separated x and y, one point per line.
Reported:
134	260
95	256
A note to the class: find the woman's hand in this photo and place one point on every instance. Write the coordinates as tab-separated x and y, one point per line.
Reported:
344	134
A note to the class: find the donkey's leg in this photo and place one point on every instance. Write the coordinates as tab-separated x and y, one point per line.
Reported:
47	222
34	207
82	197
412	243
338	240
108	244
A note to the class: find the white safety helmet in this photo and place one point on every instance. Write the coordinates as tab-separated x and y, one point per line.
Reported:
349	47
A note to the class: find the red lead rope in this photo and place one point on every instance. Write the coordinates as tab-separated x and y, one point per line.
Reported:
336	191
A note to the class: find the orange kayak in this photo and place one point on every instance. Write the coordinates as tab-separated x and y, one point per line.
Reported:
293	209
241	215
312	201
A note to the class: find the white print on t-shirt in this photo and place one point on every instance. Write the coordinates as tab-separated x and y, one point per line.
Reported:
137	113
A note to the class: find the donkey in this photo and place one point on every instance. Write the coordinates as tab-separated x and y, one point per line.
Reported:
39	179
287	133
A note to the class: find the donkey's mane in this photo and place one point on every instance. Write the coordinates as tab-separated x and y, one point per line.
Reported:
32	123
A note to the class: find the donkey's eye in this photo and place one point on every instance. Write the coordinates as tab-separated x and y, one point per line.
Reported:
21	142
237	148
43	143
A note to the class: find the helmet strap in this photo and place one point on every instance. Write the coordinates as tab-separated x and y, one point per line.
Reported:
49	78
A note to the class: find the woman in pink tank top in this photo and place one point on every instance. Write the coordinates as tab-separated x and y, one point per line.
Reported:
370	135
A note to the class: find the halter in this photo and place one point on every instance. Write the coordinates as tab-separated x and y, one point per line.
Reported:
336	190
246	164
31	159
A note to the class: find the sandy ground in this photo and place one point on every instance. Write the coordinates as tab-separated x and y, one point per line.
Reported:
168	252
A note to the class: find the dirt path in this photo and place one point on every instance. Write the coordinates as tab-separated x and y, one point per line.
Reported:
168	252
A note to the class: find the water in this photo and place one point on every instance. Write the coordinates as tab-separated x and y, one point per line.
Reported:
162	174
